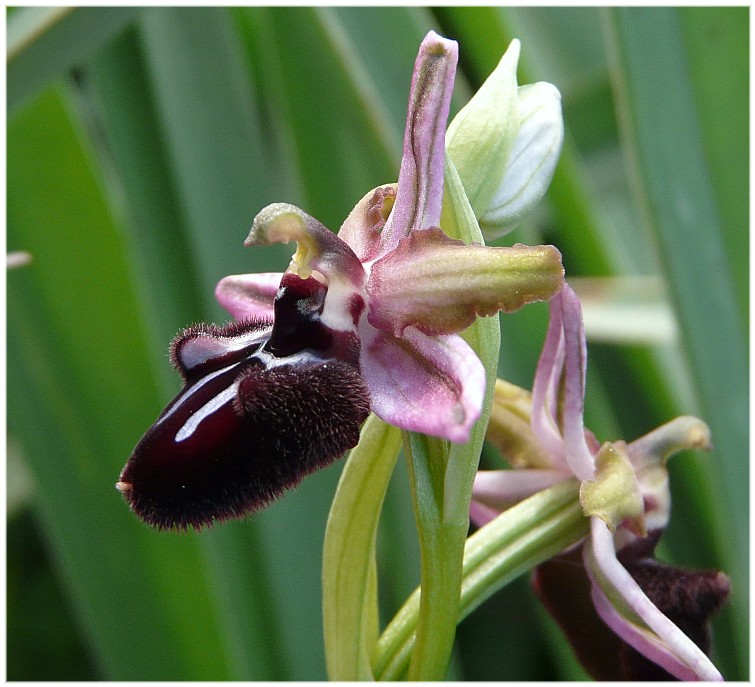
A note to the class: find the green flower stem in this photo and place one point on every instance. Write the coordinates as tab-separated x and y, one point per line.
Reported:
349	575
442	475
516	541
441	548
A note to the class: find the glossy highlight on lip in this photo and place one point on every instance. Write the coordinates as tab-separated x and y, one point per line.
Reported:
263	405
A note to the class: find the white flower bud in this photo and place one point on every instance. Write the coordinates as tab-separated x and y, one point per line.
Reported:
531	161
481	136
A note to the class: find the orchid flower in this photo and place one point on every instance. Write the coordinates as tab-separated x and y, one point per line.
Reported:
366	320
659	613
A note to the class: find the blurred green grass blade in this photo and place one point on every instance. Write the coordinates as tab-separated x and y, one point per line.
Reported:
325	111
56	648
214	139
79	392
165	266
675	191
217	158
45	42
26	24
173	299
715	42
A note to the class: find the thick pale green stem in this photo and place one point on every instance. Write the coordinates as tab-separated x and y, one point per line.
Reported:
349	575
519	539
442	475
441	558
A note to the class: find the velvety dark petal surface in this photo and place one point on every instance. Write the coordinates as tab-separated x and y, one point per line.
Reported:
266	429
262	406
689	598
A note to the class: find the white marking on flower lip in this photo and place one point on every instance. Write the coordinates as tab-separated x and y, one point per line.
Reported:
203	347
206	410
337	312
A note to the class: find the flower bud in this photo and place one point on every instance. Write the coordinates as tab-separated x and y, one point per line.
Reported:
505	144
480	137
531	162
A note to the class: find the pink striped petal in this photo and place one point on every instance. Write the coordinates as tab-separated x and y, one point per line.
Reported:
249	295
617	595
428	384
501	489
578	456
420	182
546	384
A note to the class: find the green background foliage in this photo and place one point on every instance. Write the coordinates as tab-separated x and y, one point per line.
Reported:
142	142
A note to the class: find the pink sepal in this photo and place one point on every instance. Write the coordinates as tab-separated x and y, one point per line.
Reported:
428	384
501	489
249	295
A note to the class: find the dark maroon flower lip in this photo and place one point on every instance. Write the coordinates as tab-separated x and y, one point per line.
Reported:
262	406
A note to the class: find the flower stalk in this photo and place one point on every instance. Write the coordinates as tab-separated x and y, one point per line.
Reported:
513	543
349	573
442	475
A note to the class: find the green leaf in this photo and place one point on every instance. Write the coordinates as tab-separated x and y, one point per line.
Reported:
718	66
349	575
44	42
81	393
675	193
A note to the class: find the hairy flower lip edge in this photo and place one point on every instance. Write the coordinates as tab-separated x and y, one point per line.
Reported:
172	482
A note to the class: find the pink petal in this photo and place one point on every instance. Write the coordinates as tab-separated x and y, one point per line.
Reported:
428	384
641	640
363	227
481	515
249	295
500	489
545	386
420	181
673	651
578	455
